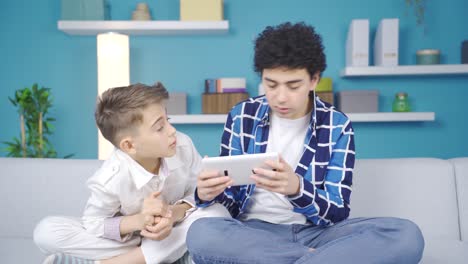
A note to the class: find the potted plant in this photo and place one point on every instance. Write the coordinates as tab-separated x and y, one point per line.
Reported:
35	124
419	8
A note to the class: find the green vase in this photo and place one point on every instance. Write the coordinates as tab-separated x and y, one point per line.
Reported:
401	103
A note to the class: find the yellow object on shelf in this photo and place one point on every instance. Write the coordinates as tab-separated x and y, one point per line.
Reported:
325	85
201	10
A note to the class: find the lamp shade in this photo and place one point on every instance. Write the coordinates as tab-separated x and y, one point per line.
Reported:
113	65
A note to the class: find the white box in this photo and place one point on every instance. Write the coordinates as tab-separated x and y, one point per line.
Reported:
231	85
201	10
357	43
358	101
386	43
177	103
232	82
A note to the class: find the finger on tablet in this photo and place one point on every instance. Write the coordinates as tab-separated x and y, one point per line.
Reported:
213	182
273	164
264	181
208	174
217	190
264	172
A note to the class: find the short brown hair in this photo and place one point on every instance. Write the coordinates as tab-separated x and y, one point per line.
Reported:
120	108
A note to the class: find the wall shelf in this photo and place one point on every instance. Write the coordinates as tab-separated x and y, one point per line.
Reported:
355	117
392	117
197	119
440	69
161	27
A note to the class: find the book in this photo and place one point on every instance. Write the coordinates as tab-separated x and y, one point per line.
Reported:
357	43
386	43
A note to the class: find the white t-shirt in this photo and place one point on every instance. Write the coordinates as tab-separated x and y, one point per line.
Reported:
286	137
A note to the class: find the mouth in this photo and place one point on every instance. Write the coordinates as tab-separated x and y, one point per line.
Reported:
282	110
173	145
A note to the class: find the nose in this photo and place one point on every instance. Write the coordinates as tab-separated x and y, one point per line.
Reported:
281	96
172	129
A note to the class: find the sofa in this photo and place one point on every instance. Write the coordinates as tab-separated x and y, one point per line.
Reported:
431	192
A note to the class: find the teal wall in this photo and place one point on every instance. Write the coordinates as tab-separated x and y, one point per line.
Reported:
32	49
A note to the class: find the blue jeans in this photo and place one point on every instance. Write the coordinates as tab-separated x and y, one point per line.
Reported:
358	240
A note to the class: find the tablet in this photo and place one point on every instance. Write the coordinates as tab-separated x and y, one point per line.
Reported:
239	167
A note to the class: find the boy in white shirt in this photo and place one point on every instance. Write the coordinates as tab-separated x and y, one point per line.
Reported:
141	197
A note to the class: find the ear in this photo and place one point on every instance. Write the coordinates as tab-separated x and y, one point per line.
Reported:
314	80
127	145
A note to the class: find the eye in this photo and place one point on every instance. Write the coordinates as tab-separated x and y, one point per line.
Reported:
162	127
294	87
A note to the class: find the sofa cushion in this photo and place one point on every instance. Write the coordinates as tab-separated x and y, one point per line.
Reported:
31	189
19	250
419	189
461	175
444	251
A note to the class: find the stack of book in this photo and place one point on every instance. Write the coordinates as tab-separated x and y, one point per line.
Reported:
225	85
222	94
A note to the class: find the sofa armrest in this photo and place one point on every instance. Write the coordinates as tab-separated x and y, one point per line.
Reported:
461	176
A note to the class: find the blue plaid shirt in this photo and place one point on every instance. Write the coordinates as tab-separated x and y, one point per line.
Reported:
325	167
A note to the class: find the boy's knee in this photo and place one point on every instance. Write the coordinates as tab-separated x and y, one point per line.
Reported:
198	228
201	233
44	234
412	238
407	242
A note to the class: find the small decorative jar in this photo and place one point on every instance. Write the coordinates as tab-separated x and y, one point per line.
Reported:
427	56
401	103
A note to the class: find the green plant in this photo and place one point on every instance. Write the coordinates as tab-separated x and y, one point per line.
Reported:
419	7
33	106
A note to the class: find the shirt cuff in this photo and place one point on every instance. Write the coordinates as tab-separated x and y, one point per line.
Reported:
306	196
189	211
112	229
187	201
301	189
201	204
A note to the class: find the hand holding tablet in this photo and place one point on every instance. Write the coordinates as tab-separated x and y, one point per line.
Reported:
240	167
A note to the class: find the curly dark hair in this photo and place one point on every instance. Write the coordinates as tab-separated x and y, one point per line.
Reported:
294	46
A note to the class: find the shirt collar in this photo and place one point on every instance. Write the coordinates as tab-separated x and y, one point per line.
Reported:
140	175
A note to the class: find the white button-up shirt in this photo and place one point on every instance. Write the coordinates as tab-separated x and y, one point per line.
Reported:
121	184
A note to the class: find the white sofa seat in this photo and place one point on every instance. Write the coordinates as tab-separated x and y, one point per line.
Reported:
431	192
32	189
423	190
